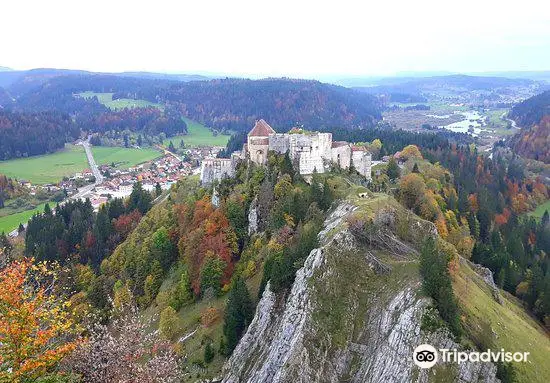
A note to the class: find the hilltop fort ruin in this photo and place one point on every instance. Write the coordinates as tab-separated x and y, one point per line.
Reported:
308	151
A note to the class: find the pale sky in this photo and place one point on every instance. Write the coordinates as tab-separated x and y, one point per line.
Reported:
277	37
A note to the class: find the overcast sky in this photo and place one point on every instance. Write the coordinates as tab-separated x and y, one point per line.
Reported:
276	37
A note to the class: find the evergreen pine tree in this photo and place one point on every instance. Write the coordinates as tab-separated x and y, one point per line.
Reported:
545	218
223	346
209	353
171	147
238	314
316	191
437	284
393	170
286	166
326	198
158	189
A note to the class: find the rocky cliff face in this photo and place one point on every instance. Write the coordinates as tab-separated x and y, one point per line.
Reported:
346	319
253	217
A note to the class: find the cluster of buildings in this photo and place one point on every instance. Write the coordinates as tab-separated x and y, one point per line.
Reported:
309	152
119	182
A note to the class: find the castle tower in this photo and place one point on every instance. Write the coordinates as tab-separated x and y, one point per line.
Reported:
258	142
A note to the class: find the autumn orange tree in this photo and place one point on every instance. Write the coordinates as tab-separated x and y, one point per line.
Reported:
205	231
36	329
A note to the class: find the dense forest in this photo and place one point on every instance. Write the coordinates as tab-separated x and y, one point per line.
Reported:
73	230
31	134
533	115
531	111
149	121
486	200
534	142
223	104
44	119
235	104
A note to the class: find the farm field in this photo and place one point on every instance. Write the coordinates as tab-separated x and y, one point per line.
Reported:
498	123
123	157
10	222
107	100
47	168
539	211
197	135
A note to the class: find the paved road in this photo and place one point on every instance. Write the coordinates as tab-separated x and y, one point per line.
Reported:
83	190
91	161
95	170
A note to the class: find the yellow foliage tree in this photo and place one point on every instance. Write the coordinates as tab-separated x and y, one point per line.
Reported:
35	325
411	151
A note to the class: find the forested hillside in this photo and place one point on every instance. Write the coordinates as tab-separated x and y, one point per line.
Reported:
30	134
236	104
223	104
5	98
533	115
50	115
532	110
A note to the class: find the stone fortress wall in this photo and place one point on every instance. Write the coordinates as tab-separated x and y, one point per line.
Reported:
309	151
216	169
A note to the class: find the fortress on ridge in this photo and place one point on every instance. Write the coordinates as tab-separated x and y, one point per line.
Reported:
308	151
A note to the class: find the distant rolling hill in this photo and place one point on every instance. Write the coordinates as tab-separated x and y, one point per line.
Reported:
20	82
165	76
284	103
458	87
226	104
458	81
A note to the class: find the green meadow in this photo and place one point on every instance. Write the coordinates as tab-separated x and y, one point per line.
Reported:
10	222
123	157
107	100
47	168
197	135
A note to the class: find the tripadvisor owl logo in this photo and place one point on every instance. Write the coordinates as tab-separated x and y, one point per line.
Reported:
425	356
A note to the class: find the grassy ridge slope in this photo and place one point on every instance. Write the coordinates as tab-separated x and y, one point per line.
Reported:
514	329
